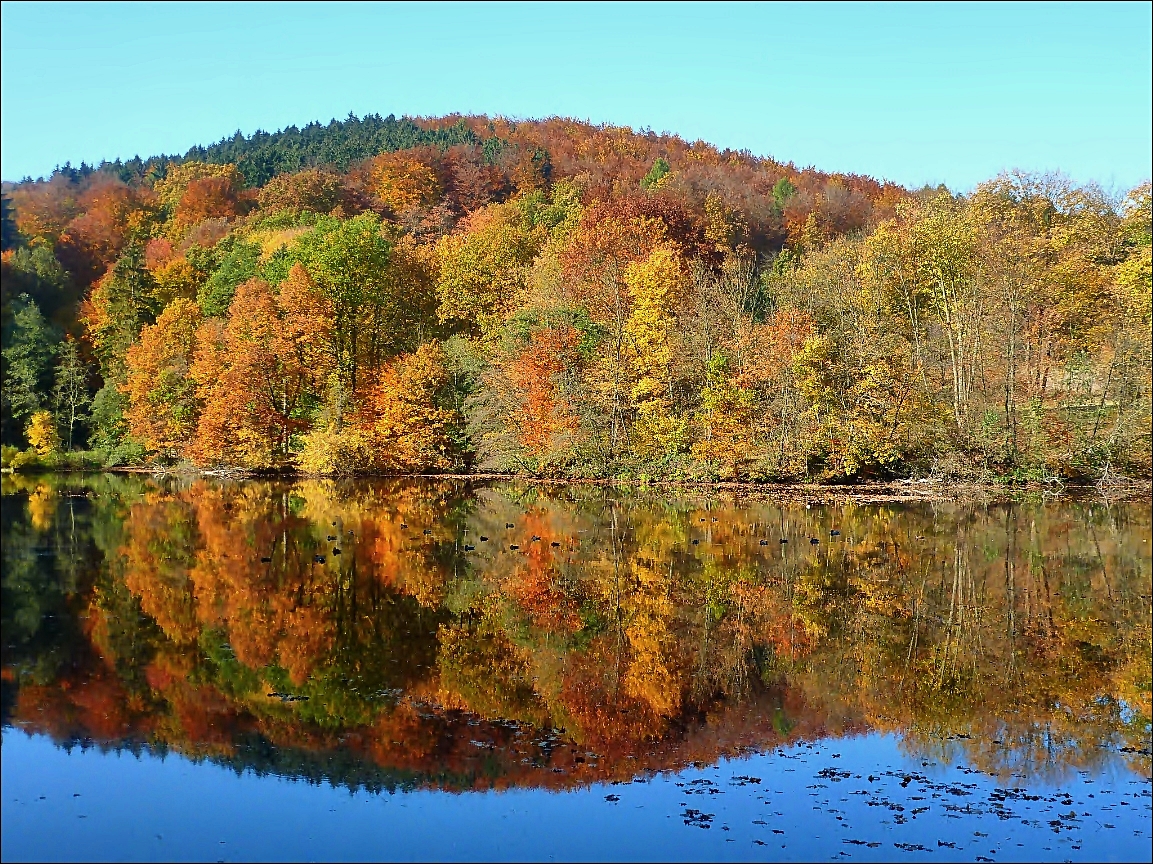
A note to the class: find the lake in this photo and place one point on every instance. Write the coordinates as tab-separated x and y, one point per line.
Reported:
200	669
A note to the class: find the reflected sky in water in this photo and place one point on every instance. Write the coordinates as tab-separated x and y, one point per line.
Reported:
198	669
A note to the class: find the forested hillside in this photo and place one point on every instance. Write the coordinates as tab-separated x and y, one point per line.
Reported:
558	299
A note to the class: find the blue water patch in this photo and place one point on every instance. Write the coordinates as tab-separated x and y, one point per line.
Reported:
856	798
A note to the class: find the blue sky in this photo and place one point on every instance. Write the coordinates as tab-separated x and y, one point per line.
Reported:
916	94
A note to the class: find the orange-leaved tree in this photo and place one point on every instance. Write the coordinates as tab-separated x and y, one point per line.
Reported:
537	374
593	278
401	182
162	399
260	375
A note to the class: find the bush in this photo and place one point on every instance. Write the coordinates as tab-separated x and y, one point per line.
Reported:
328	452
29	460
126	452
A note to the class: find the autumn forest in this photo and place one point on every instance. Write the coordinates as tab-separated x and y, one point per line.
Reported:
556	299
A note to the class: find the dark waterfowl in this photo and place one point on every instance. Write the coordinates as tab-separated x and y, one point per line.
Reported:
319	559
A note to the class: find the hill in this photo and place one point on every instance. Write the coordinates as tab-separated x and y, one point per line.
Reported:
556	298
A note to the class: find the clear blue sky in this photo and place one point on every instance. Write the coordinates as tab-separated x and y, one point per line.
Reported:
932	93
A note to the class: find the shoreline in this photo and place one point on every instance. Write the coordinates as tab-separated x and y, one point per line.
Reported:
877	491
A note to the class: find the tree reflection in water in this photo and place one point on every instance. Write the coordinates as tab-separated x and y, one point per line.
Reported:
388	634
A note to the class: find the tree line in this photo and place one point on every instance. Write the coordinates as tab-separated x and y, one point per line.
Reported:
553	298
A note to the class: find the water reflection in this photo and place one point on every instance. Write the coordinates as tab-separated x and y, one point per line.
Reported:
404	634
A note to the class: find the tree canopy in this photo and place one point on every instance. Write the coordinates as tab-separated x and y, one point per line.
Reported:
562	299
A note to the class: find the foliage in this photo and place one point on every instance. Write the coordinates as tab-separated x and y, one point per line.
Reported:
28	355
657	174
238	264
70	396
41	433
161	393
258	376
483	267
609	303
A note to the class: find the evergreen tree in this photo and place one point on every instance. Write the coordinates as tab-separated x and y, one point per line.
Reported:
27	374
9	236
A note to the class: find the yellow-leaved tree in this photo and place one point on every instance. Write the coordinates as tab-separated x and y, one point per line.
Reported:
400	426
42	434
484	265
655	285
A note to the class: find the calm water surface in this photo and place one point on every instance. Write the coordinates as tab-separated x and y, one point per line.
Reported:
311	670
